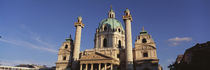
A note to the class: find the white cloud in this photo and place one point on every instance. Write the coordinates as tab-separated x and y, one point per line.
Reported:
28	44
33	40
26	38
38	39
178	40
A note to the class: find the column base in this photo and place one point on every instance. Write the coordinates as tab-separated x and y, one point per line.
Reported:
75	65
130	66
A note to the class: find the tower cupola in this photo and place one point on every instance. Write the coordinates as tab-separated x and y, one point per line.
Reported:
145	38
143	31
69	39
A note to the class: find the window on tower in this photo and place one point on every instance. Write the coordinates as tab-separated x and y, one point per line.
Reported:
144	40
64	57
118	55
66	46
105	42
145	54
119	44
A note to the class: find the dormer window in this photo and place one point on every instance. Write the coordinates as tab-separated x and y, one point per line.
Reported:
144	40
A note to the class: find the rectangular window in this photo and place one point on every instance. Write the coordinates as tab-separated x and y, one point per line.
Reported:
118	55
64	57
145	54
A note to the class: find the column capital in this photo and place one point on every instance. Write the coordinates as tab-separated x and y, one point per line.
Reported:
79	22
127	17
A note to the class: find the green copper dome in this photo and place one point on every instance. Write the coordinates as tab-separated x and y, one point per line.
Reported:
111	23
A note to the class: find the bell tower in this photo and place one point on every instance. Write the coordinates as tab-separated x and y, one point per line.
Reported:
145	55
65	55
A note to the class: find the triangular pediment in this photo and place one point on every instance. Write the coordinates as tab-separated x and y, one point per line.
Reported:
95	56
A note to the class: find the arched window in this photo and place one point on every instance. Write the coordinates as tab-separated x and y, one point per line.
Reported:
144	40
126	13
119	44
66	46
105	28
105	42
118	30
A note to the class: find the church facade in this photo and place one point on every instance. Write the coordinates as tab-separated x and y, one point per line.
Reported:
112	48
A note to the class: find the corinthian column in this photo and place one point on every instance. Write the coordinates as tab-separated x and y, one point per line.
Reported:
128	40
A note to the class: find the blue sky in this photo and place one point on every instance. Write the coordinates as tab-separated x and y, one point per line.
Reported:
33	30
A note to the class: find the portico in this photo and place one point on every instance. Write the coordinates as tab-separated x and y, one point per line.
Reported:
99	66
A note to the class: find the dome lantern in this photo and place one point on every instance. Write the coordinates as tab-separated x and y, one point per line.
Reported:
111	13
